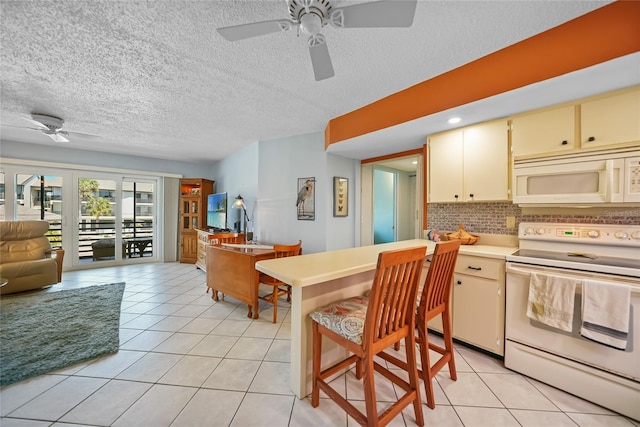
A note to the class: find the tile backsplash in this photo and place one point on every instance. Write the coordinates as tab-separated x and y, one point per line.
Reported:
491	217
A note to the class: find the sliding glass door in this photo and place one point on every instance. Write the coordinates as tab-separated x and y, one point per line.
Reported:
138	217
117	219
99	218
98	235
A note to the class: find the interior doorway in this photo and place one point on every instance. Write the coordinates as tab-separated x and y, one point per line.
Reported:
405	205
384	206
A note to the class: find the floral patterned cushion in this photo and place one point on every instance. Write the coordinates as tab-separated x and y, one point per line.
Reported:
345	318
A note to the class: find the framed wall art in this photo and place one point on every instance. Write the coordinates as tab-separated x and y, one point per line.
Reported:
306	201
340	196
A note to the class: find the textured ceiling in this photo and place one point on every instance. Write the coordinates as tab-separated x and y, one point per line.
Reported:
154	78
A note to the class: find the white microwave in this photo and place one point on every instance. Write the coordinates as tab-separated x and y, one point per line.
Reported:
585	178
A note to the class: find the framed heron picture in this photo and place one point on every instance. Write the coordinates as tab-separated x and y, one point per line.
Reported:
306	200
340	196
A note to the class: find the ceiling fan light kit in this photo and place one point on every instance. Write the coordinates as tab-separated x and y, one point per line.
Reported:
50	122
309	16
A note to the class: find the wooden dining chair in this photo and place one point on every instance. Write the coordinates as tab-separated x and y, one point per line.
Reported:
217	240
434	301
278	287
365	326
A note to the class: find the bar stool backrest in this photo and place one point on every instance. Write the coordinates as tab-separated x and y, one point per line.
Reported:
437	286
392	299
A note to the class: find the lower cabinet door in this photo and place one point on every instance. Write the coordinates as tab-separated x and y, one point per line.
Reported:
477	312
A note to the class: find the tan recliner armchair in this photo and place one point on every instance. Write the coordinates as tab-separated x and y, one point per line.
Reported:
27	260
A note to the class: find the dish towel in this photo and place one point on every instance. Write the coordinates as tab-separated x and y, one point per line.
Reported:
551	300
605	313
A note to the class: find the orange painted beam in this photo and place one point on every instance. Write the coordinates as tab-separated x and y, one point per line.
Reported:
606	33
416	151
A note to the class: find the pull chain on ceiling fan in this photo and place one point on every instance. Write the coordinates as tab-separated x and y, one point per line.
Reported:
310	16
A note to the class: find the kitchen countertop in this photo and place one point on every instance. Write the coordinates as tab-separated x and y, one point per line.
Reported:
488	251
310	269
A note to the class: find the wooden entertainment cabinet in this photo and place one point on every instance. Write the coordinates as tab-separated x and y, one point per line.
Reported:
192	215
205	236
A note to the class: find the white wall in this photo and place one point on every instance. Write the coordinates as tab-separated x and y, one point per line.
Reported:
282	162
57	154
238	175
340	231
270	190
405	206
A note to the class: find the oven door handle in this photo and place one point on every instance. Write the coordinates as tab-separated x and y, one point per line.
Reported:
511	269
526	270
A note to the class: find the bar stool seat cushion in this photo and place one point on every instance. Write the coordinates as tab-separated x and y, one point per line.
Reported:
345	318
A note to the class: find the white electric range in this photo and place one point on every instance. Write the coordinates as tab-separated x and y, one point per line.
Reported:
598	373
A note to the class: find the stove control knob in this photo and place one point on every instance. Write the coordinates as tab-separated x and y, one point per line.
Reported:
528	231
621	235
540	231
593	233
635	235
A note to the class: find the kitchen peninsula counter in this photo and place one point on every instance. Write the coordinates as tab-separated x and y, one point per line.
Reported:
321	278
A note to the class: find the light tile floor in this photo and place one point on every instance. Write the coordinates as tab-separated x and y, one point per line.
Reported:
186	360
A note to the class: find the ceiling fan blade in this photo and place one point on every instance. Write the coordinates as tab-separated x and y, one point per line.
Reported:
91	136
385	13
36	123
57	137
245	31
320	59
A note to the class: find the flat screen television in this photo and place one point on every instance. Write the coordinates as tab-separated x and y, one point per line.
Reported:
217	211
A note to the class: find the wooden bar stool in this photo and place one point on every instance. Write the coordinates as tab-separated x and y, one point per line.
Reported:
365	326
434	301
279	287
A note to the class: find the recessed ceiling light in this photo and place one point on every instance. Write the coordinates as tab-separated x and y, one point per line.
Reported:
454	120
415	162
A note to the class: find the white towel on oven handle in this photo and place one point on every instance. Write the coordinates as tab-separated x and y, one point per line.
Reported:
551	300
605	312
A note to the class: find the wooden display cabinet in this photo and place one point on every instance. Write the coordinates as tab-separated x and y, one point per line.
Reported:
192	215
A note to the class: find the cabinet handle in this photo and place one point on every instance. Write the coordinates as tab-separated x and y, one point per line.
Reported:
591	139
459	283
471	195
455	196
565	142
474	268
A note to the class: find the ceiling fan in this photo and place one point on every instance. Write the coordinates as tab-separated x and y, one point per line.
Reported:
52	127
309	16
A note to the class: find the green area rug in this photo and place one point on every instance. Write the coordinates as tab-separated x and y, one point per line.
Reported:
43	332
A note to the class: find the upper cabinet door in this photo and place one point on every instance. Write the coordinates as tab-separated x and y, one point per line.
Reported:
548	131
611	120
445	167
469	164
486	162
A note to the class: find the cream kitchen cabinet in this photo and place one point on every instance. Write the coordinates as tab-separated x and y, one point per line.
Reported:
611	120
469	164
547	131
478	302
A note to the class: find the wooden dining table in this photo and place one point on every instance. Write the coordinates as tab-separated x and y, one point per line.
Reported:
231	271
